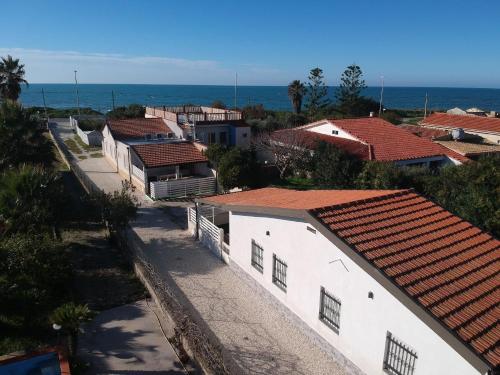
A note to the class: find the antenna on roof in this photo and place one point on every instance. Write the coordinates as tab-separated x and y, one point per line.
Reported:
381	97
235	89
425	107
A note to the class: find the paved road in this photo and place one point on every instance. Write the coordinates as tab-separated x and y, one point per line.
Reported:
258	336
128	340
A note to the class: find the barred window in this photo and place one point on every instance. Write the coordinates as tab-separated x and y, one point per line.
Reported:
399	359
257	257
279	272
329	310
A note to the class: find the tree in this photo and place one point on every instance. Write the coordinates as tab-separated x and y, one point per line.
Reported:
316	93
380	175
34	274
288	150
11	78
238	168
130	111
350	89
219	104
296	91
21	138
471	191
117	209
69	316
32	200
334	167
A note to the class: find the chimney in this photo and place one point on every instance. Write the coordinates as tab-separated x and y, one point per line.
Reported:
371	114
370	151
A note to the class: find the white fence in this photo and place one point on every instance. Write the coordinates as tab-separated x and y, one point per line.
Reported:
182	187
91	137
137	172
209	234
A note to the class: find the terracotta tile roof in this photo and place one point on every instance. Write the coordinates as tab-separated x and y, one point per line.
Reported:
165	154
311	139
389	142
447	265
474	123
294	199
423	132
470	149
137	127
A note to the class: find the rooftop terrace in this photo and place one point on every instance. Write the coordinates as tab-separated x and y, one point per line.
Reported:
189	114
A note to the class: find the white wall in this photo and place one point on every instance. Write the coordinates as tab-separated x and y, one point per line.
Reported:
313	261
327	129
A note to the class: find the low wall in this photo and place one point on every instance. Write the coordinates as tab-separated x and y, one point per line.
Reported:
91	137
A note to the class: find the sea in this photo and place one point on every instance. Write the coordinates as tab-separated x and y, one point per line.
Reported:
100	96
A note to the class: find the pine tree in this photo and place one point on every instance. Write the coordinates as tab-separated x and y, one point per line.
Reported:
316	93
349	92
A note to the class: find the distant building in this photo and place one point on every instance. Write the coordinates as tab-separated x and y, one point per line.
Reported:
485	127
204	124
456	111
373	138
147	153
394	282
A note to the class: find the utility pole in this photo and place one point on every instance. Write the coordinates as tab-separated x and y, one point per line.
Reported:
235	89
77	96
113	98
381	97
425	107
45	107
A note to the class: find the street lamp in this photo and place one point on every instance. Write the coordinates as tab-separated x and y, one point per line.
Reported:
57	327
77	96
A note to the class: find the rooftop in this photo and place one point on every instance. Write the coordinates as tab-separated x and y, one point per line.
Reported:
469	148
423	132
469	122
137	127
188	114
387	142
165	154
445	264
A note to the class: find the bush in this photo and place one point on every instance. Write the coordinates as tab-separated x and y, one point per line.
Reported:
91	124
238	168
130	111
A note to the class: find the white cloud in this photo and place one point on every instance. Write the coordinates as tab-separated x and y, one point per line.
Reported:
48	66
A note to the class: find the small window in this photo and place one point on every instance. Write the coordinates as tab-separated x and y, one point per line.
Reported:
329	310
335	132
223	137
257	257
399	359
279	272
244	135
211	138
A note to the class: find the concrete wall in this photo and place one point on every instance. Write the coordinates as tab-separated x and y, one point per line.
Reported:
314	262
242	136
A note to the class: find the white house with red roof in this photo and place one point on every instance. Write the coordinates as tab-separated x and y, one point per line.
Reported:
373	138
485	127
147	153
385	280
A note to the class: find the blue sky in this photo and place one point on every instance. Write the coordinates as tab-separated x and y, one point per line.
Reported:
451	43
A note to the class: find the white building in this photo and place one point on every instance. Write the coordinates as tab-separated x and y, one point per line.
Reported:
394	282
372	138
148	154
204	124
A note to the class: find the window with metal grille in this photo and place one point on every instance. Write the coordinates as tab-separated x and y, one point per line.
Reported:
399	359
329	310
279	272
257	257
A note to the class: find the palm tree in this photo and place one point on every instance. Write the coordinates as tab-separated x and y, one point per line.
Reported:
69	317
296	91
11	77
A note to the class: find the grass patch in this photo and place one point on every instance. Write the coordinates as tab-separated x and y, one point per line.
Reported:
72	146
297	183
84	146
96	155
82	157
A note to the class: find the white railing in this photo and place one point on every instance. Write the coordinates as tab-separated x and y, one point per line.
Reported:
137	172
182	187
